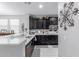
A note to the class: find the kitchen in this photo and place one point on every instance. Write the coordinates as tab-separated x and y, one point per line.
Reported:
28	29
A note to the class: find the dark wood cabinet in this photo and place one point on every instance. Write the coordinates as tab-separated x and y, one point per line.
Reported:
29	48
37	23
46	40
40	40
54	21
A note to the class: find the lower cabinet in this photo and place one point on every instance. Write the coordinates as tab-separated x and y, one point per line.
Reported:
40	40
29	48
46	40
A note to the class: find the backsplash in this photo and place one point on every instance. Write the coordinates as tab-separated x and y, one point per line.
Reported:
40	31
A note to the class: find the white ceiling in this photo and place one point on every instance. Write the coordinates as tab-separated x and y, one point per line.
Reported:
20	8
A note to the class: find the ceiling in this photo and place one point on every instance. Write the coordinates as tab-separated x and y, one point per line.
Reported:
21	8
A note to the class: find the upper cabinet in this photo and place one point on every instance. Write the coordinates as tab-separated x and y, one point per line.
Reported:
42	22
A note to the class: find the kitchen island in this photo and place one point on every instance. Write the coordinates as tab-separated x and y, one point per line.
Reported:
14	45
19	45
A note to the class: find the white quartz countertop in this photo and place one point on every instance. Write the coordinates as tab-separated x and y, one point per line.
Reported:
15	40
20	38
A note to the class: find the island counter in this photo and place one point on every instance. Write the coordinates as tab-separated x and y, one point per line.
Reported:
11	46
19	45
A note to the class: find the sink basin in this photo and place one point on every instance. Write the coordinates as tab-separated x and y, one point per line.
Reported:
28	36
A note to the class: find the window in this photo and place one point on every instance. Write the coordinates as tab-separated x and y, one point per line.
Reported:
14	25
9	25
3	24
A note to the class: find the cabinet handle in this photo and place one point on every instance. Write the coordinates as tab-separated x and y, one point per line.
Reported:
35	39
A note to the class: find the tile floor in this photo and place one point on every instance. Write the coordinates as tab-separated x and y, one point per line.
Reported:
45	51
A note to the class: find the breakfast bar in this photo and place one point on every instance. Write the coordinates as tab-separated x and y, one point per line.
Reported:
11	46
20	45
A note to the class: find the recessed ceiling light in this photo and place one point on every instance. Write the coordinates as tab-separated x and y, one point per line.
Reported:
40	6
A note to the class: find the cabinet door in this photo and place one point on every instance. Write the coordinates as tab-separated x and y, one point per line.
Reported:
38	40
41	40
29	50
47	24
54	21
53	39
47	40
39	24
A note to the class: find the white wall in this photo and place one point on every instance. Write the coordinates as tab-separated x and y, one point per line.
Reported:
69	40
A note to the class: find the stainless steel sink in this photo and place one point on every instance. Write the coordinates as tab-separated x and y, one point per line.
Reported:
28	36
